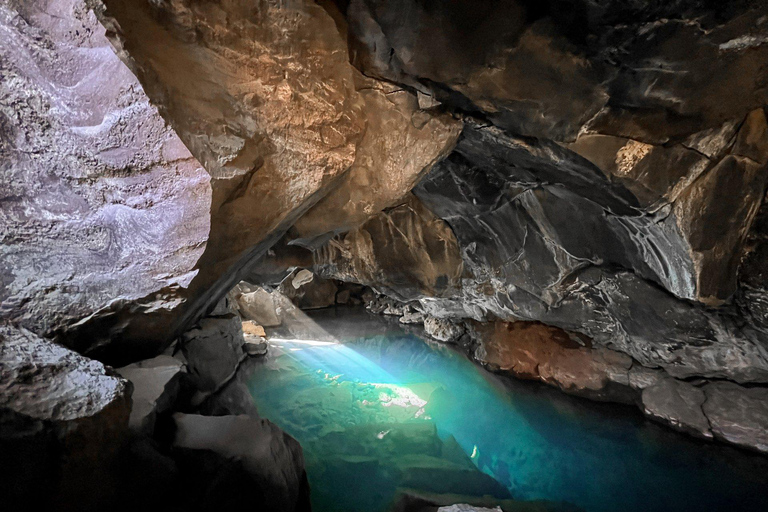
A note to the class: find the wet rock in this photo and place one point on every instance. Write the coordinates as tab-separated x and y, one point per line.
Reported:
737	414
410	316
103	205
63	420
678	404
155	387
443	329
213	351
255	339
236	461
531	350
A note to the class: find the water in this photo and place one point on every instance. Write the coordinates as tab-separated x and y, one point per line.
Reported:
376	409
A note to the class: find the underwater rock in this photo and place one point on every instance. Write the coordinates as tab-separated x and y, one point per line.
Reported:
156	384
63	420
234	461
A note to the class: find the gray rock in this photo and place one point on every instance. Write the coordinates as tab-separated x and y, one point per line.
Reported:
103	204
257	304
737	414
264	465
63	420
678	404
442	329
213	350
155	387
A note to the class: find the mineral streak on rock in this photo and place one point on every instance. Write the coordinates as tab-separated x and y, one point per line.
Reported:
102	203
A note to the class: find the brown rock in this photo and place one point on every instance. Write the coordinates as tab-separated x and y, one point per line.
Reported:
536	351
406	250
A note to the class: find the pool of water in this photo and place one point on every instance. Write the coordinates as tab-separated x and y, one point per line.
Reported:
377	409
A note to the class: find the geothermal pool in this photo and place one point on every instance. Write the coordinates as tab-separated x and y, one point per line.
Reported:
376	408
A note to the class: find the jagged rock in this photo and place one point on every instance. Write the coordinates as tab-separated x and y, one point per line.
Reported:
308	291
102	203
155	387
737	414
236	461
405	251
63	420
400	144
257	304
678	404
213	351
442	329
411	316
651	72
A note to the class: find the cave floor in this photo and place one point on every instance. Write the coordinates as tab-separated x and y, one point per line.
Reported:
377	409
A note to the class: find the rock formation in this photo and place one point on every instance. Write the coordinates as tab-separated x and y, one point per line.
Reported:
574	191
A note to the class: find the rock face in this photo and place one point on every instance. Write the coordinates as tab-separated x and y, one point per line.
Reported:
717	409
650	72
213	350
155	383
63	418
102	204
219	455
405	251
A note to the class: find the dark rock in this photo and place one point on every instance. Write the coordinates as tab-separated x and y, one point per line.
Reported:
63	421
737	414
238	461
678	404
213	351
155	387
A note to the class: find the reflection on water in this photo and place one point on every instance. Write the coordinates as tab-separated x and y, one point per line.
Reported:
380	409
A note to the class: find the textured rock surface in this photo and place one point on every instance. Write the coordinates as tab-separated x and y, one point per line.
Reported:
213	350
63	418
648	71
156	384
738	415
252	454
102	204
678	404
405	251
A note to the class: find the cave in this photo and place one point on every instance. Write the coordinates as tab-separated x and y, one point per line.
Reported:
384	256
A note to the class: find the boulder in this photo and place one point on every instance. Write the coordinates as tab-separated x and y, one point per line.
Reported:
308	291
257	304
443	329
239	461
63	421
213	351
156	384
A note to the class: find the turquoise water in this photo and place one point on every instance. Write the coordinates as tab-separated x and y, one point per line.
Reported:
379	409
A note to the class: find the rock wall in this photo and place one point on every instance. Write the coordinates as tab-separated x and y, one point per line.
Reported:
102	204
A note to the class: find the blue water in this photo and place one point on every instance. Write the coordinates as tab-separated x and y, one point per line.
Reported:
366	408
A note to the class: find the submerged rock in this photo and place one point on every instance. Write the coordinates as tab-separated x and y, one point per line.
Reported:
63	420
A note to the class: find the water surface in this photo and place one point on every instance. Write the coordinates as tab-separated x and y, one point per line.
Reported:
376	408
